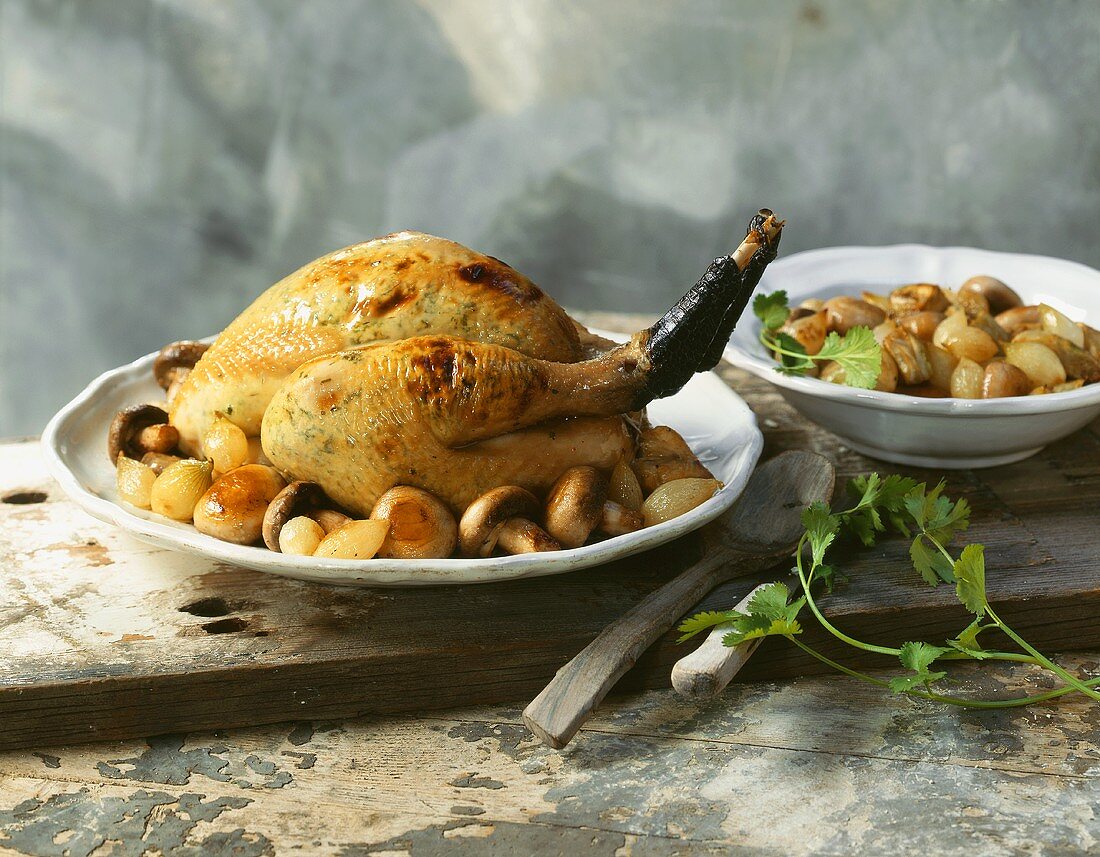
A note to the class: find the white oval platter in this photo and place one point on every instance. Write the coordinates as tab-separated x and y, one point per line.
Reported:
713	419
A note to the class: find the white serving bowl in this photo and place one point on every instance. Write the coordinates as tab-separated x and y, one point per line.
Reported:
943	433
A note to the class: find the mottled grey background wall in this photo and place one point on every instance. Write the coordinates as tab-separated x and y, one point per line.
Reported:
163	162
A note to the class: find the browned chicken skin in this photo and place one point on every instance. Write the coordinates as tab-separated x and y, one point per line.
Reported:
391	288
459	417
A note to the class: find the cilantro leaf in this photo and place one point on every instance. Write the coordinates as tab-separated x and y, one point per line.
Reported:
903	683
970	579
894	489
867	488
967	641
917	657
935	514
932	565
857	352
892	500
797	361
821	527
770	601
863	520
768	614
701	622
828	575
751	627
920	656
771	309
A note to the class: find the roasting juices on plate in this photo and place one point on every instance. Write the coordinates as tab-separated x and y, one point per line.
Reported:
408	397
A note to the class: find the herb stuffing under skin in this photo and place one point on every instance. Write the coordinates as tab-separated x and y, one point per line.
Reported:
930	521
856	352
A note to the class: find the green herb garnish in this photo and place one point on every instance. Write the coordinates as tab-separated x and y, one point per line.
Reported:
930	521
857	352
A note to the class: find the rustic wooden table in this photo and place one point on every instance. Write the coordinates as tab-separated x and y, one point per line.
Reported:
820	765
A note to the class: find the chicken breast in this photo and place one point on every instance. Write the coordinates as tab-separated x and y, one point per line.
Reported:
402	285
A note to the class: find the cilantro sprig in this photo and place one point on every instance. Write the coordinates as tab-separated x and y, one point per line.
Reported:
930	521
857	352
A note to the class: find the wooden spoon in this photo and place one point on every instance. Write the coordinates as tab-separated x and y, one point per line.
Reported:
706	671
764	526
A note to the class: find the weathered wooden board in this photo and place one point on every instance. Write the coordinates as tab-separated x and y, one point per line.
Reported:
816	766
102	636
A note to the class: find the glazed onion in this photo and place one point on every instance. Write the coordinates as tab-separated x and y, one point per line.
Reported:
354	540
134	481
179	488
677	497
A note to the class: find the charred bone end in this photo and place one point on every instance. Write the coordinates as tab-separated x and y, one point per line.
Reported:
689	338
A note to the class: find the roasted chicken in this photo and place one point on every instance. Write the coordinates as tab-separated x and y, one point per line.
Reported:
413	360
392	288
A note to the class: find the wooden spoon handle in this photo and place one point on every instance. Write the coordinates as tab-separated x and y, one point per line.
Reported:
706	671
556	714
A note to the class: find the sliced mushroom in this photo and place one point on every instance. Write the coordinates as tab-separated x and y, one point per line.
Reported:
1013	320
297	498
522	536
421	526
999	296
122	435
910	356
1002	380
972	303
574	505
175	357
502	517
918	297
921	324
844	312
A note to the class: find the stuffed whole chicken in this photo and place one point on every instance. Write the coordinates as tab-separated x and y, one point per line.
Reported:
410	360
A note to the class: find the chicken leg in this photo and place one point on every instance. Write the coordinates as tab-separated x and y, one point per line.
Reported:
458	418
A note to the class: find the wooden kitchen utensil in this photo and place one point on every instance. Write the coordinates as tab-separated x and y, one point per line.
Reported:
705	672
763	527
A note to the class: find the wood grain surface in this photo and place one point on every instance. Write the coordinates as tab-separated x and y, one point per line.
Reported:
814	766
102	636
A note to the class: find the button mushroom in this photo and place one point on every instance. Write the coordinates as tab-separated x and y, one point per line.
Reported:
577	506
329	519
844	312
999	296
175	360
128	432
503	518
421	526
574	505
296	499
